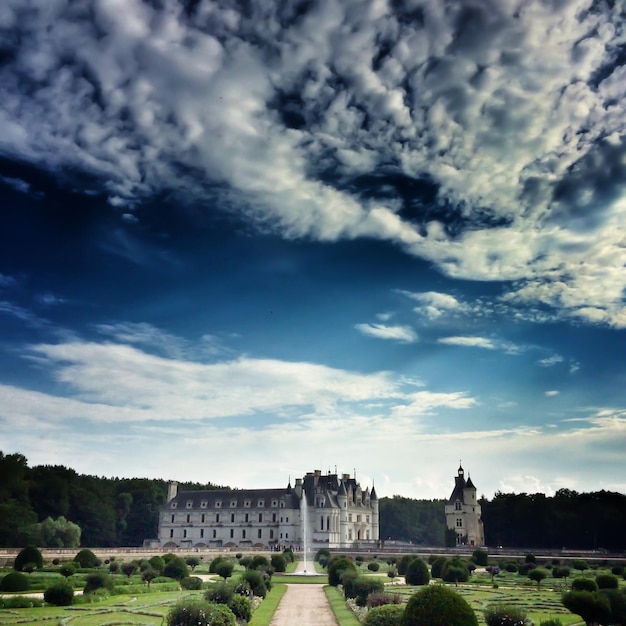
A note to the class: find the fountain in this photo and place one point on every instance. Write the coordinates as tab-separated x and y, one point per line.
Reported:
305	529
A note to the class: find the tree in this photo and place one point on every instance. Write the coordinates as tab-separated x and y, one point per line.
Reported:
592	606
417	573
129	569
67	570
493	571
337	566
55	533
29	554
176	568
59	594
538	574
480	557
157	563
437	605
279	563
86	558
148	575
225	569
192	561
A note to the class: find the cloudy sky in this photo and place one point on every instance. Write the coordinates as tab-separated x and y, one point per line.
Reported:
242	240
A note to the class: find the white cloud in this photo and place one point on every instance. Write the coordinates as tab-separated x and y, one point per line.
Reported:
552	393
470	342
551	361
403	334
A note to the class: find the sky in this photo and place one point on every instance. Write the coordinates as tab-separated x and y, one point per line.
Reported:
243	240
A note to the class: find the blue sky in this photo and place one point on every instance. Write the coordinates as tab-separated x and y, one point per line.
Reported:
242	241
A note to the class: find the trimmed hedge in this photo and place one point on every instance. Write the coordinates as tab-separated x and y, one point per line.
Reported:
29	554
437	605
14	581
386	615
86	558
59	594
417	573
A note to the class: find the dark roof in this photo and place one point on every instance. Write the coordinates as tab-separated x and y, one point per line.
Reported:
226	496
469	484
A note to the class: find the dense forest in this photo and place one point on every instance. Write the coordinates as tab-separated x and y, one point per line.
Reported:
43	504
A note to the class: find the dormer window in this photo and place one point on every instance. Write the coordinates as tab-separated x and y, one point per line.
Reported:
203	504
218	504
174	505
246	504
189	504
274	502
261	503
233	504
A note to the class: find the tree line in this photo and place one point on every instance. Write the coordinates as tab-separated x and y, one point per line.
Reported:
54	506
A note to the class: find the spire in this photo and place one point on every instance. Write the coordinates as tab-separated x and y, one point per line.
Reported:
469	484
373	495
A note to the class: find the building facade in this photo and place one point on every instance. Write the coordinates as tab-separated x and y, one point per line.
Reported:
463	512
329	510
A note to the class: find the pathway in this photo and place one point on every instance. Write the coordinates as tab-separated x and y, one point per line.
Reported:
305	605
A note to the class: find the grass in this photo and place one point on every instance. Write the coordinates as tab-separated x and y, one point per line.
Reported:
263	615
297	579
343	615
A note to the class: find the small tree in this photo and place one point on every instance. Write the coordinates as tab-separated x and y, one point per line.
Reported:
279	563
29	554
59	594
580	565
437	566
538	574
480	557
86	558
592	606
259	562
337	567
225	569
584	584
148	575
157	563
67	570
493	571
128	569
97	581
607	581
176	568
192	561
417	573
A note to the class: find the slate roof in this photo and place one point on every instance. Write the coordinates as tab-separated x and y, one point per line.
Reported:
226	496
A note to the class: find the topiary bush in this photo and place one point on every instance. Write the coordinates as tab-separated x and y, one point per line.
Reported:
511	567
454	571
551	622
176	568
437	605
14	581
607	581
225	569
29	554
157	563
279	563
592	606
194	612
20	602
417	573
404	562
373	566
364	586
220	593
584	584
336	569
386	615
288	554
617	570
220	559
192	561
504	615
437	566
241	607
97	581
59	594
257	582
480	557
191	583
322	554
86	558
259	562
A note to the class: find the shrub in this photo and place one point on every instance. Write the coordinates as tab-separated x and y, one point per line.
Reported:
168	557
225	569
29	554
524	568
437	605
454	571
241	607
55	561
67	570
259	562
584	584
220	593
14	581
551	622
381	599
191	583
279	563
403	563
288	554
480	557
364	586
530	558
617	604
114	567
176	568
192	561
194	612
59	594
220	559
244	562
504	615
157	563
580	565
607	581
243	588
417	573
97	581
20	602
373	566
437	566
386	615
392	572
336	569
256	581
148	575
347	582
86	559
322	552
561	572
511	567
128	569
538	574
617	570
592	606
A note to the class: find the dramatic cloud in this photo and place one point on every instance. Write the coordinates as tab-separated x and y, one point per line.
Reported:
505	121
404	334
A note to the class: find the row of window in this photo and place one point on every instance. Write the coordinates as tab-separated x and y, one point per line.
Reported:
233	504
232	534
247	518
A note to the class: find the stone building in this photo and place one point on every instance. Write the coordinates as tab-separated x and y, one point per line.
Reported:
463	512
333	511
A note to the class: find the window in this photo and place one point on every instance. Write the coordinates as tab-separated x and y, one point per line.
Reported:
203	518
172	519
286	535
188	518
171	532
184	534
202	533
260	534
218	504
271	534
243	534
260	517
232	518
367	519
322	522
214	533
203	504
457	505
281	520
247	517
174	505
261	503
358	518
246	503
189	504
273	517
274	502
217	518
459	522
233	504
286	520
350	534
232	533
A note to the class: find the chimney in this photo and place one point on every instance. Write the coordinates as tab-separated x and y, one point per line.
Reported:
172	490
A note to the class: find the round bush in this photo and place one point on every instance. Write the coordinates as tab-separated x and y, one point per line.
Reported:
373	566
336	569
562	571
386	615
14	581
225	569
511	567
504	615
259	562
480	557
279	563
256	581
437	605
455	572
194	612
176	568
157	563
86	559
417	573
191	583
192	561
607	581
97	581
67	569
59	594
322	552
364	586
617	570
288	554
220	593
404	562
29	554
216	561
241	607
584	584
437	566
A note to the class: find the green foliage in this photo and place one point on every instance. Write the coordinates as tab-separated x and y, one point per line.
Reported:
194	612
562	571
225	569
437	566
176	568
128	569
385	615
404	562
97	581
607	581
20	602
14	581
504	615
337	566
114	567
259	562
454	571
169	556
59	594
157	563
348	579
220	593
67	569
192	561
580	565
538	574
480	557
437	605
244	562
592	606
417	573
216	561
530	558
191	583
257	582
382	598
418	521
551	622
511	567
322	554
241	607
86	558
279	563
617	570
29	554
373	566
148	575
584	584
363	586
55	533
617	604
288	554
